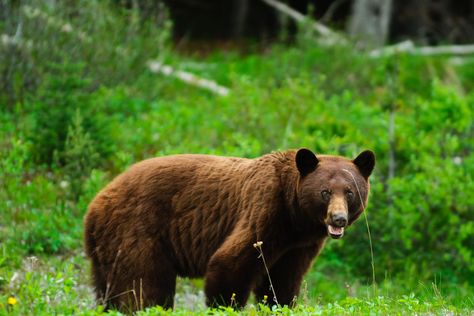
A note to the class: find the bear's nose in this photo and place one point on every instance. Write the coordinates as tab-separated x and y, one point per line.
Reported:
339	219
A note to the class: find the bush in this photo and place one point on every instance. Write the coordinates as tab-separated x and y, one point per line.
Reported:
112	42
65	105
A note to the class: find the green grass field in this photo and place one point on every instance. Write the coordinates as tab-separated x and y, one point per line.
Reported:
59	284
75	112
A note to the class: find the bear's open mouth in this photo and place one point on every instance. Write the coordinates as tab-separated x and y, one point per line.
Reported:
335	232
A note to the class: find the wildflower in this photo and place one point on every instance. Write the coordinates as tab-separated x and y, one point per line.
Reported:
12	301
265	298
232	300
66	28
258	244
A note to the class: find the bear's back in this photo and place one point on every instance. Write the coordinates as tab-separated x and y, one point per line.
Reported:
162	178
190	200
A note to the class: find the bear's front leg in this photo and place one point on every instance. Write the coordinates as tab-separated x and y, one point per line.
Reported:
231	273
286	275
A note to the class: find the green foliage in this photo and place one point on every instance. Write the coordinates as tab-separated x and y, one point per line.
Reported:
111	41
80	155
47	287
64	113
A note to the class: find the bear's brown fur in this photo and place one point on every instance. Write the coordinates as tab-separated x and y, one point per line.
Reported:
199	215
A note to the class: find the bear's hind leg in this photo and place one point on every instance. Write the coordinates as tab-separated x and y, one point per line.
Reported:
146	281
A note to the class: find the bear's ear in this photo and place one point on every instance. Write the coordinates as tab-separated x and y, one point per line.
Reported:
365	162
306	161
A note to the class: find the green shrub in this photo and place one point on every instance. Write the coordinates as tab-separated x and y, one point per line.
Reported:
64	95
43	236
79	155
112	41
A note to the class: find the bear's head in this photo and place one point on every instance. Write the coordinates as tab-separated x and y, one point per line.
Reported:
333	190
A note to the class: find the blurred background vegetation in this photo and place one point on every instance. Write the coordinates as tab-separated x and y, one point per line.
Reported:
79	104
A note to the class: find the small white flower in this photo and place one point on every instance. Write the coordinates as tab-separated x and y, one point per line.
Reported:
457	160
5	39
66	28
15	277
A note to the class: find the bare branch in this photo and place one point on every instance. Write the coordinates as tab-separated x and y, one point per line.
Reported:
188	77
298	17
410	48
445	50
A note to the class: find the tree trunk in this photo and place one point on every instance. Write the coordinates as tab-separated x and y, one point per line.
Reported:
370	21
240	17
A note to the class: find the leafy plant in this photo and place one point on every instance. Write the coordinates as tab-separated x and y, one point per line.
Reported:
63	96
79	155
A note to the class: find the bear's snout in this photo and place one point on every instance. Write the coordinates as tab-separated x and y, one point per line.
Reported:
339	219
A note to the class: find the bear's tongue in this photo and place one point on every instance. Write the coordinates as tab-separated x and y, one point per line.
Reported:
335	232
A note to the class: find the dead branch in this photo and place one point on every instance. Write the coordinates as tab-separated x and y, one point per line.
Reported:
323	30
188	77
409	48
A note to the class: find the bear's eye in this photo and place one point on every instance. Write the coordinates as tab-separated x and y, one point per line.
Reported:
326	195
349	195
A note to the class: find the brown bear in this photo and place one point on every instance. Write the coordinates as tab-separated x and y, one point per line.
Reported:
200	215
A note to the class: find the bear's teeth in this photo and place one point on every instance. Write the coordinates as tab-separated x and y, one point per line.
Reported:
335	230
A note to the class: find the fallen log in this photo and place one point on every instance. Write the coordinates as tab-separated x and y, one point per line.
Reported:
189	78
410	48
331	36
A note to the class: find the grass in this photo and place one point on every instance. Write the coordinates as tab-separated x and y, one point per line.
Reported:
59	285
